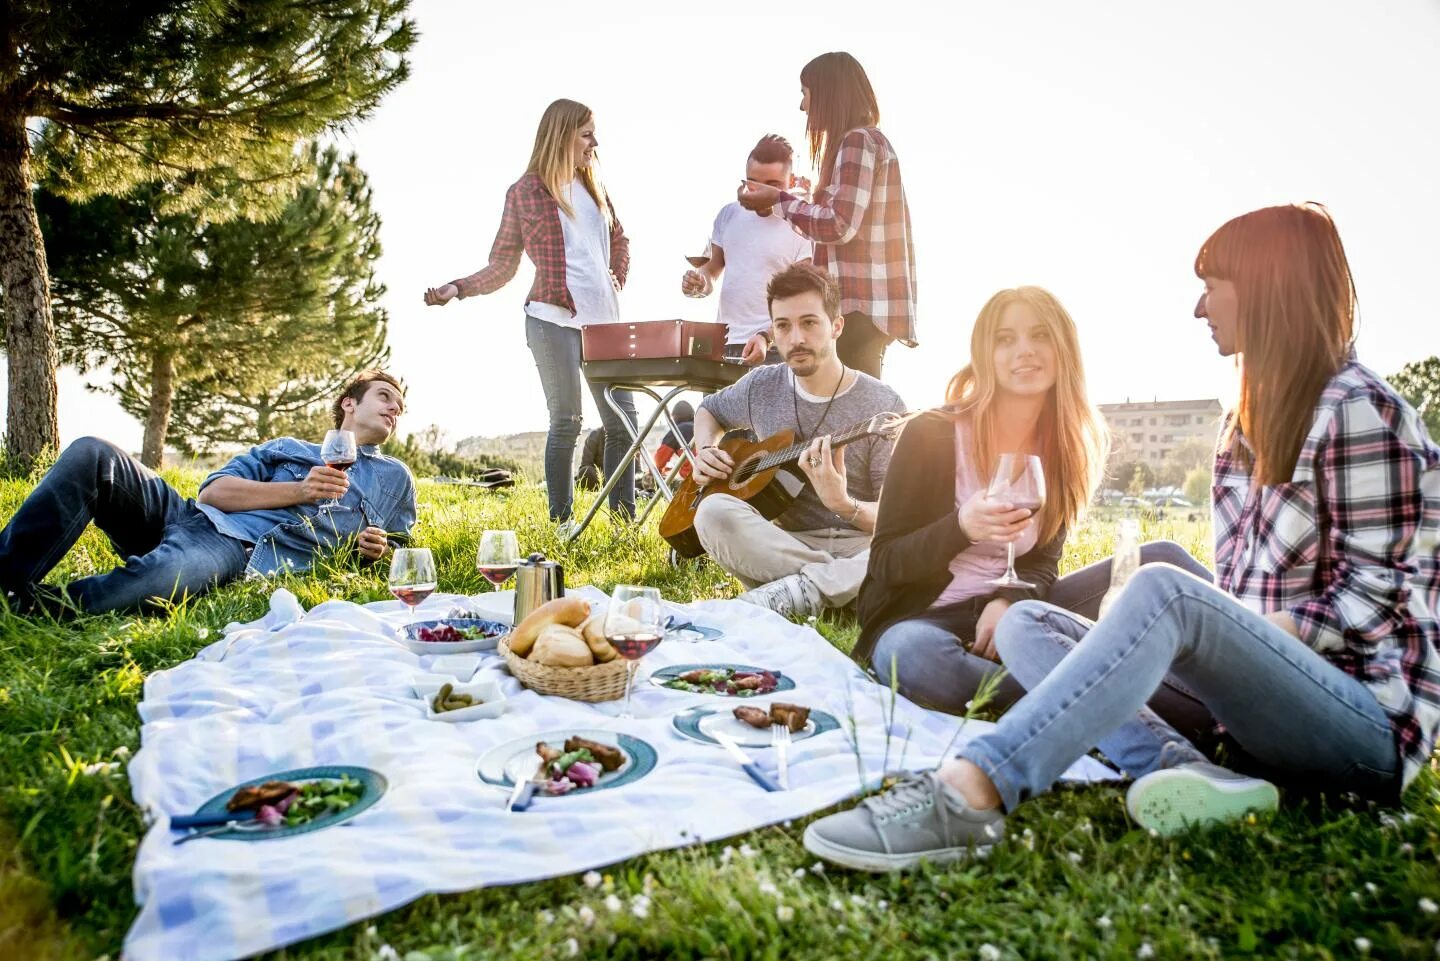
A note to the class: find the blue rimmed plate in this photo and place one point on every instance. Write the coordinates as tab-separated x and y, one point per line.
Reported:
662	677
492	630
692	632
372	783
517	761
703	723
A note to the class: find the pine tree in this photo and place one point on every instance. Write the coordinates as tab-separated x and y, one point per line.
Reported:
139	91
220	332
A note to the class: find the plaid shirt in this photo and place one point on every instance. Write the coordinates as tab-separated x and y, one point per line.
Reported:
531	223
1350	546
861	227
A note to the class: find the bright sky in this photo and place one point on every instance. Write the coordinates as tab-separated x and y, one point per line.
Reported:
1086	147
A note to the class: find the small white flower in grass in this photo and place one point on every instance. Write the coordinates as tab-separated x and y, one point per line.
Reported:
1428	906
1407	848
1144	909
587	915
371	931
991	831
1182	909
640	906
1075	857
547	917
726	853
1372	888
202	633
836	904
91	770
786	824
988	952
857	900
882	905
1154	833
572	947
1145	950
1086	826
784	912
1407	816
122	752
387	953
1355	896
768	887
798	873
817	869
1362	945
1103	922
613	904
746	851
592	879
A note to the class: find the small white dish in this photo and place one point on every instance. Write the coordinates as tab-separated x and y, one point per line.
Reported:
459	666
487	692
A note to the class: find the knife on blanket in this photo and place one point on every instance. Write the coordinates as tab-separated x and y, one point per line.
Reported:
523	794
747	765
183	822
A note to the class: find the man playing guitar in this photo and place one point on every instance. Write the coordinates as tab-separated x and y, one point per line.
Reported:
814	555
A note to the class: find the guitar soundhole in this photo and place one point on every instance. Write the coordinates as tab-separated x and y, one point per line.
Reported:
743	474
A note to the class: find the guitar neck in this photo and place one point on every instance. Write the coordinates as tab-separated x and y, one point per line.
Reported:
791	454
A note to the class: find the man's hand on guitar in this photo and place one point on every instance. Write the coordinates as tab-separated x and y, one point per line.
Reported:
712	464
999	522
825	467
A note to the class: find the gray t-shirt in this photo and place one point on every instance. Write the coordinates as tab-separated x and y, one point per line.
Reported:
765	401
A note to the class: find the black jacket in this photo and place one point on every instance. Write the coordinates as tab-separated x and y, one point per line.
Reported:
917	534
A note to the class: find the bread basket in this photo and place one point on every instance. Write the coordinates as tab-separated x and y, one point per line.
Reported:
596	682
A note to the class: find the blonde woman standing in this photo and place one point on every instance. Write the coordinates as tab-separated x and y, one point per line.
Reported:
560	216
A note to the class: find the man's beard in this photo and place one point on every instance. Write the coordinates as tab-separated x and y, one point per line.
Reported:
812	359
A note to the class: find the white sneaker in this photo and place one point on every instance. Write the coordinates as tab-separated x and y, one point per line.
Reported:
1199	792
789	596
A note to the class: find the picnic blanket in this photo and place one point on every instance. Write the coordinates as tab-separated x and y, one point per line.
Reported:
332	686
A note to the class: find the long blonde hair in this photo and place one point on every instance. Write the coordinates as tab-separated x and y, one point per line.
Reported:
1073	440
1295	328
551	160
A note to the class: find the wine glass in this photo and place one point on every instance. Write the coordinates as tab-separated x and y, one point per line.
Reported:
1019	479
634	625
498	556
338	451
412	576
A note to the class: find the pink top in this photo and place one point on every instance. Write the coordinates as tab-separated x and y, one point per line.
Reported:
972	568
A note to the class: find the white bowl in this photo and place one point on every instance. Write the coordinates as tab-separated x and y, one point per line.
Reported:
488	692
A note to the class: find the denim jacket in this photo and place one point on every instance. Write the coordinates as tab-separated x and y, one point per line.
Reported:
381	494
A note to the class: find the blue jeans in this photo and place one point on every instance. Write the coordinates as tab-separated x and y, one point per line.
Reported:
557	357
1298	718
934	668
171	549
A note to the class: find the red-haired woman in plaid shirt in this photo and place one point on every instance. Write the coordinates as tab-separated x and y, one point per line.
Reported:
859	221
560	216
1315	646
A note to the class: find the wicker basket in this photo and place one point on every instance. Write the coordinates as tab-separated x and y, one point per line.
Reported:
598	682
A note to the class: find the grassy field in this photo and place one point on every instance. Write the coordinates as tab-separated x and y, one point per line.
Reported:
1326	877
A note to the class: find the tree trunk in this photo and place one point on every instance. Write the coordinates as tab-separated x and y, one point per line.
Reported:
157	420
263	412
31	422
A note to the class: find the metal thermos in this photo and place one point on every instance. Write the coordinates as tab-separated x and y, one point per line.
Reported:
537	581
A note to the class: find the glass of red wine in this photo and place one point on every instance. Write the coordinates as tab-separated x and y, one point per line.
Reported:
634	625
498	556
338	451
412	576
1020	480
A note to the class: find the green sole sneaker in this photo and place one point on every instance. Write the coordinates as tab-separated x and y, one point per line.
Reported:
1169	801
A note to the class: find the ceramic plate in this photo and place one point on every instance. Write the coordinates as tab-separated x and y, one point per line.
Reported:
664	675
702	723
373	785
517	760
493	631
694	632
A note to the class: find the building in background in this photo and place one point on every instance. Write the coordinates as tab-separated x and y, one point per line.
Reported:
1149	433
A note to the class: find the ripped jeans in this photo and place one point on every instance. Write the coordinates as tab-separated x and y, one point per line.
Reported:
556	351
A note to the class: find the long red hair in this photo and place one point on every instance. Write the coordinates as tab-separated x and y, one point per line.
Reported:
1296	325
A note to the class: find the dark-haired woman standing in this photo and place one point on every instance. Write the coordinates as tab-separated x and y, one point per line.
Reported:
859	219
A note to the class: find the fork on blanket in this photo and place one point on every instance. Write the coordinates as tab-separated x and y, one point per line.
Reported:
780	741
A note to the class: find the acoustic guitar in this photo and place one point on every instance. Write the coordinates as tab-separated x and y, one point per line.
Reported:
766	476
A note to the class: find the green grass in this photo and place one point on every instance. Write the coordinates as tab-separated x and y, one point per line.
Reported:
1077	880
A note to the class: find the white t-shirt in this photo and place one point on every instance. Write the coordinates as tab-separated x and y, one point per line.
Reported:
756	248
587	267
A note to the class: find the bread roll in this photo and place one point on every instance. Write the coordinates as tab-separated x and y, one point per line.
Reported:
593	631
561	646
570	611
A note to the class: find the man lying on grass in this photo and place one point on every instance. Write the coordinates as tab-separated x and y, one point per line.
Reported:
1315	645
269	510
